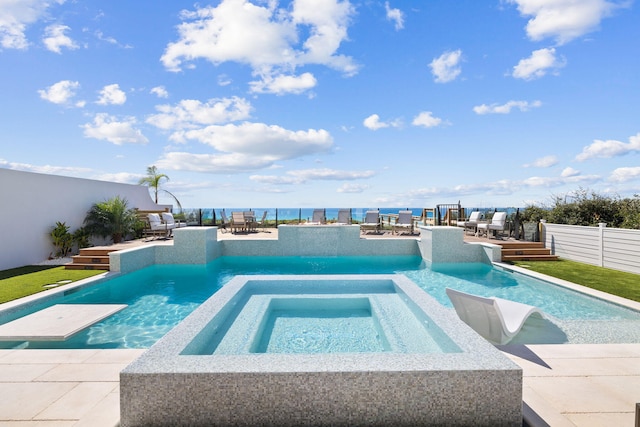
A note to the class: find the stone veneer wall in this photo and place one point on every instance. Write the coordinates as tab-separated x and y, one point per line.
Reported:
200	245
446	245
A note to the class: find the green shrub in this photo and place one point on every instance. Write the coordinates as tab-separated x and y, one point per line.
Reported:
111	218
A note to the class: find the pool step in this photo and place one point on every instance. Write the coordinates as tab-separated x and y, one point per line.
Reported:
526	251
90	259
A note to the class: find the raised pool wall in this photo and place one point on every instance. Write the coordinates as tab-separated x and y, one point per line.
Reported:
200	245
476	385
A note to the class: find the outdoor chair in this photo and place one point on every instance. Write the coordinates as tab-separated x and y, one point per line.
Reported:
472	222
319	217
498	224
344	217
168	219
371	221
263	221
158	227
238	222
250	220
224	221
404	222
495	319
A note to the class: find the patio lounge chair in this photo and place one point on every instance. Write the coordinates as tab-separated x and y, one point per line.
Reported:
497	320
344	217
404	222
224	221
472	222
157	227
263	221
238	222
168	219
319	217
371	221
498	223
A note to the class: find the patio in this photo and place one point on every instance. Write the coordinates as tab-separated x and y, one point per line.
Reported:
564	385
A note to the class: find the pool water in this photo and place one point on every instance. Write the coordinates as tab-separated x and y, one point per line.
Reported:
160	296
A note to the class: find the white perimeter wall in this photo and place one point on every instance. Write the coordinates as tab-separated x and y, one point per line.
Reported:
616	248
32	203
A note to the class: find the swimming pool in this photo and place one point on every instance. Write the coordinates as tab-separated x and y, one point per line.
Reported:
160	296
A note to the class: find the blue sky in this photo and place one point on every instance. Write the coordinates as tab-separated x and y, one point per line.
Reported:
327	103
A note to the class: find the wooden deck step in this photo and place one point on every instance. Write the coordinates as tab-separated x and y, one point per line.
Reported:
78	266
529	257
525	251
90	259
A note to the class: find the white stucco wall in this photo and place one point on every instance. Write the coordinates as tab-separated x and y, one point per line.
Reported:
32	203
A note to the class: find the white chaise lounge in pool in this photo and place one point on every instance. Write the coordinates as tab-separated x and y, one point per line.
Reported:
497	320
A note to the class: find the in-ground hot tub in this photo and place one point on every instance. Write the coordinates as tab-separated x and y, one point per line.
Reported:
321	350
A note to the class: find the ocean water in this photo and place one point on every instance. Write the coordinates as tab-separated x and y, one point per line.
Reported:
305	214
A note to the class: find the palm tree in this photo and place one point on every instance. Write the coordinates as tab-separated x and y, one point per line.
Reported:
111	218
152	180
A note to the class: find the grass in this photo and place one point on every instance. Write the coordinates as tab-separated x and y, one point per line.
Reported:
22	281
626	285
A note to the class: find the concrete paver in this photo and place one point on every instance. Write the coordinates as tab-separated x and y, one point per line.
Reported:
580	384
564	385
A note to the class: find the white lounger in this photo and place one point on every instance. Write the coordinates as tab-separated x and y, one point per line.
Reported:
497	320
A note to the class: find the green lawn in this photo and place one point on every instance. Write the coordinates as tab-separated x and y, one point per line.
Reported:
22	281
626	285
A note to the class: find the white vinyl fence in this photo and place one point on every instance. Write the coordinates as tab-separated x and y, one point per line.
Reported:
616	248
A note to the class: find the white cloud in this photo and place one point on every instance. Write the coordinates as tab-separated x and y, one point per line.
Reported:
304	175
373	122
160	92
330	174
538	64
609	148
352	188
112	95
506	108
283	84
427	120
244	147
564	20
543	162
569	172
16	16
446	67
625	174
395	15
269	39
46	169
55	38
109	128
61	92
192	114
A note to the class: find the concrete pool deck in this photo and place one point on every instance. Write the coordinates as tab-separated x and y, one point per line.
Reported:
584	385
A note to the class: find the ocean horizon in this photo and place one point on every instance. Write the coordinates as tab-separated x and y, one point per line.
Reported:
305	214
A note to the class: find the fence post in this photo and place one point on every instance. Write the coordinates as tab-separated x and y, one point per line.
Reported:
542	234
601	227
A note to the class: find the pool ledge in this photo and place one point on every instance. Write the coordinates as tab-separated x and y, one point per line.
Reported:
476	385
